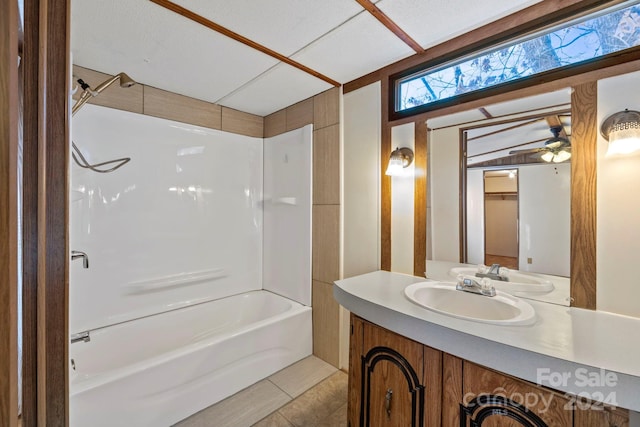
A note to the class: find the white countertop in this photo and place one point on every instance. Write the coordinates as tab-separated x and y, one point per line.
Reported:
573	342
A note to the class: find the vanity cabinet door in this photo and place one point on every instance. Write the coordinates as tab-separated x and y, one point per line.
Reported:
492	399
387	380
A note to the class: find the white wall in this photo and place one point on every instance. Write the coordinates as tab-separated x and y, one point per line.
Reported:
475	216
618	207
445	189
361	181
360	192
545	218
402	204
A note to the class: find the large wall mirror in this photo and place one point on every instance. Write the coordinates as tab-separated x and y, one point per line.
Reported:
513	166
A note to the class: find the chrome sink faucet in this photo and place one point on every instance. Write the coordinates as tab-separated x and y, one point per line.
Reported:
484	287
494	273
80	254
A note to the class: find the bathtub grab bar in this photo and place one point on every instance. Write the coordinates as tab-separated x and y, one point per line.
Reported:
175	280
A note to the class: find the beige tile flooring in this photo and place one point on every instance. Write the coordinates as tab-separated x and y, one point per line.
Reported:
308	393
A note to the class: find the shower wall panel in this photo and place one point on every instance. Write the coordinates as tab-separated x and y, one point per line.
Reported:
181	223
287	214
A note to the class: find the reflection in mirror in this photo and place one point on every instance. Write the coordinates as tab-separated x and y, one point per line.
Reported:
516	183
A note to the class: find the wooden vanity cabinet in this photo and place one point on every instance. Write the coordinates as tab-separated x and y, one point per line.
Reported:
393	381
493	399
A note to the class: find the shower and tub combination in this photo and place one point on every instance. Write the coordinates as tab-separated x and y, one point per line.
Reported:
199	264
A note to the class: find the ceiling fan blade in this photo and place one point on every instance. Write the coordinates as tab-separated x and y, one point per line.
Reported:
530	150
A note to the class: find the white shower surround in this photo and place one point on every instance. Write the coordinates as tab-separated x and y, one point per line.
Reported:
181	225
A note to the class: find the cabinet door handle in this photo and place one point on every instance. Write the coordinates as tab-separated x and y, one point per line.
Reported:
387	402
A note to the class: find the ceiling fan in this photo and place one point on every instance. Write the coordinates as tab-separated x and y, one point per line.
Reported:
556	149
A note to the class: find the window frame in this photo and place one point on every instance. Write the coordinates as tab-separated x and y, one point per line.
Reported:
488	44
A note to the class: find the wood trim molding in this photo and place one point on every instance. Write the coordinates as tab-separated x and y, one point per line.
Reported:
47	116
385	185
8	213
584	125
420	200
391	26
30	171
239	38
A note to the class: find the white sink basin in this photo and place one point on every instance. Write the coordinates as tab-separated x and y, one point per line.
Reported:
518	281
441	297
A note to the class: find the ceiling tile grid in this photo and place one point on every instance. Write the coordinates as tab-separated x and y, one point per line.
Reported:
354	49
285	26
274	90
337	38
160	48
433	22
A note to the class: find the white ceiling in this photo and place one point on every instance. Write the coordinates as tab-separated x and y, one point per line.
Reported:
337	38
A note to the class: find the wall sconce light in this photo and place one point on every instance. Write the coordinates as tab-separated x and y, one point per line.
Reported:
400	159
622	130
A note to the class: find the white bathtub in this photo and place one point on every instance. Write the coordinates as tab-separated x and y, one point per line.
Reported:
157	370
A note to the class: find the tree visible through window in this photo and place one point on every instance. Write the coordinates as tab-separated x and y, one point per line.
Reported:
575	42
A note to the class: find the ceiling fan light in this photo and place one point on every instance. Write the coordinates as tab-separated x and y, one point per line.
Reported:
561	156
548	156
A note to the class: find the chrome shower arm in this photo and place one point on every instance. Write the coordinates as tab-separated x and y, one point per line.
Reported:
87	94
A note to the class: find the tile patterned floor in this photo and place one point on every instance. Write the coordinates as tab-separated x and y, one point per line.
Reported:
308	393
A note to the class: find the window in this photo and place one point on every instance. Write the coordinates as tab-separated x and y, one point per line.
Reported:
579	41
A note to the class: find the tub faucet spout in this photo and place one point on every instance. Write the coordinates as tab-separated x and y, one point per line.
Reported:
80	254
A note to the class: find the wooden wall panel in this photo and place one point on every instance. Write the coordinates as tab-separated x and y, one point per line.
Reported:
275	124
420	200
8	212
299	115
326	319
326	243
242	123
326	108
326	166
171	106
385	200
53	248
584	128
127	99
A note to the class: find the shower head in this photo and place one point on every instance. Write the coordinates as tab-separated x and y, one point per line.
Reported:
125	81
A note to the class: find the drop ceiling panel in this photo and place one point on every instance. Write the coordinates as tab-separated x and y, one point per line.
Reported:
482	140
160	48
354	49
433	22
278	88
545	100
455	119
285	26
